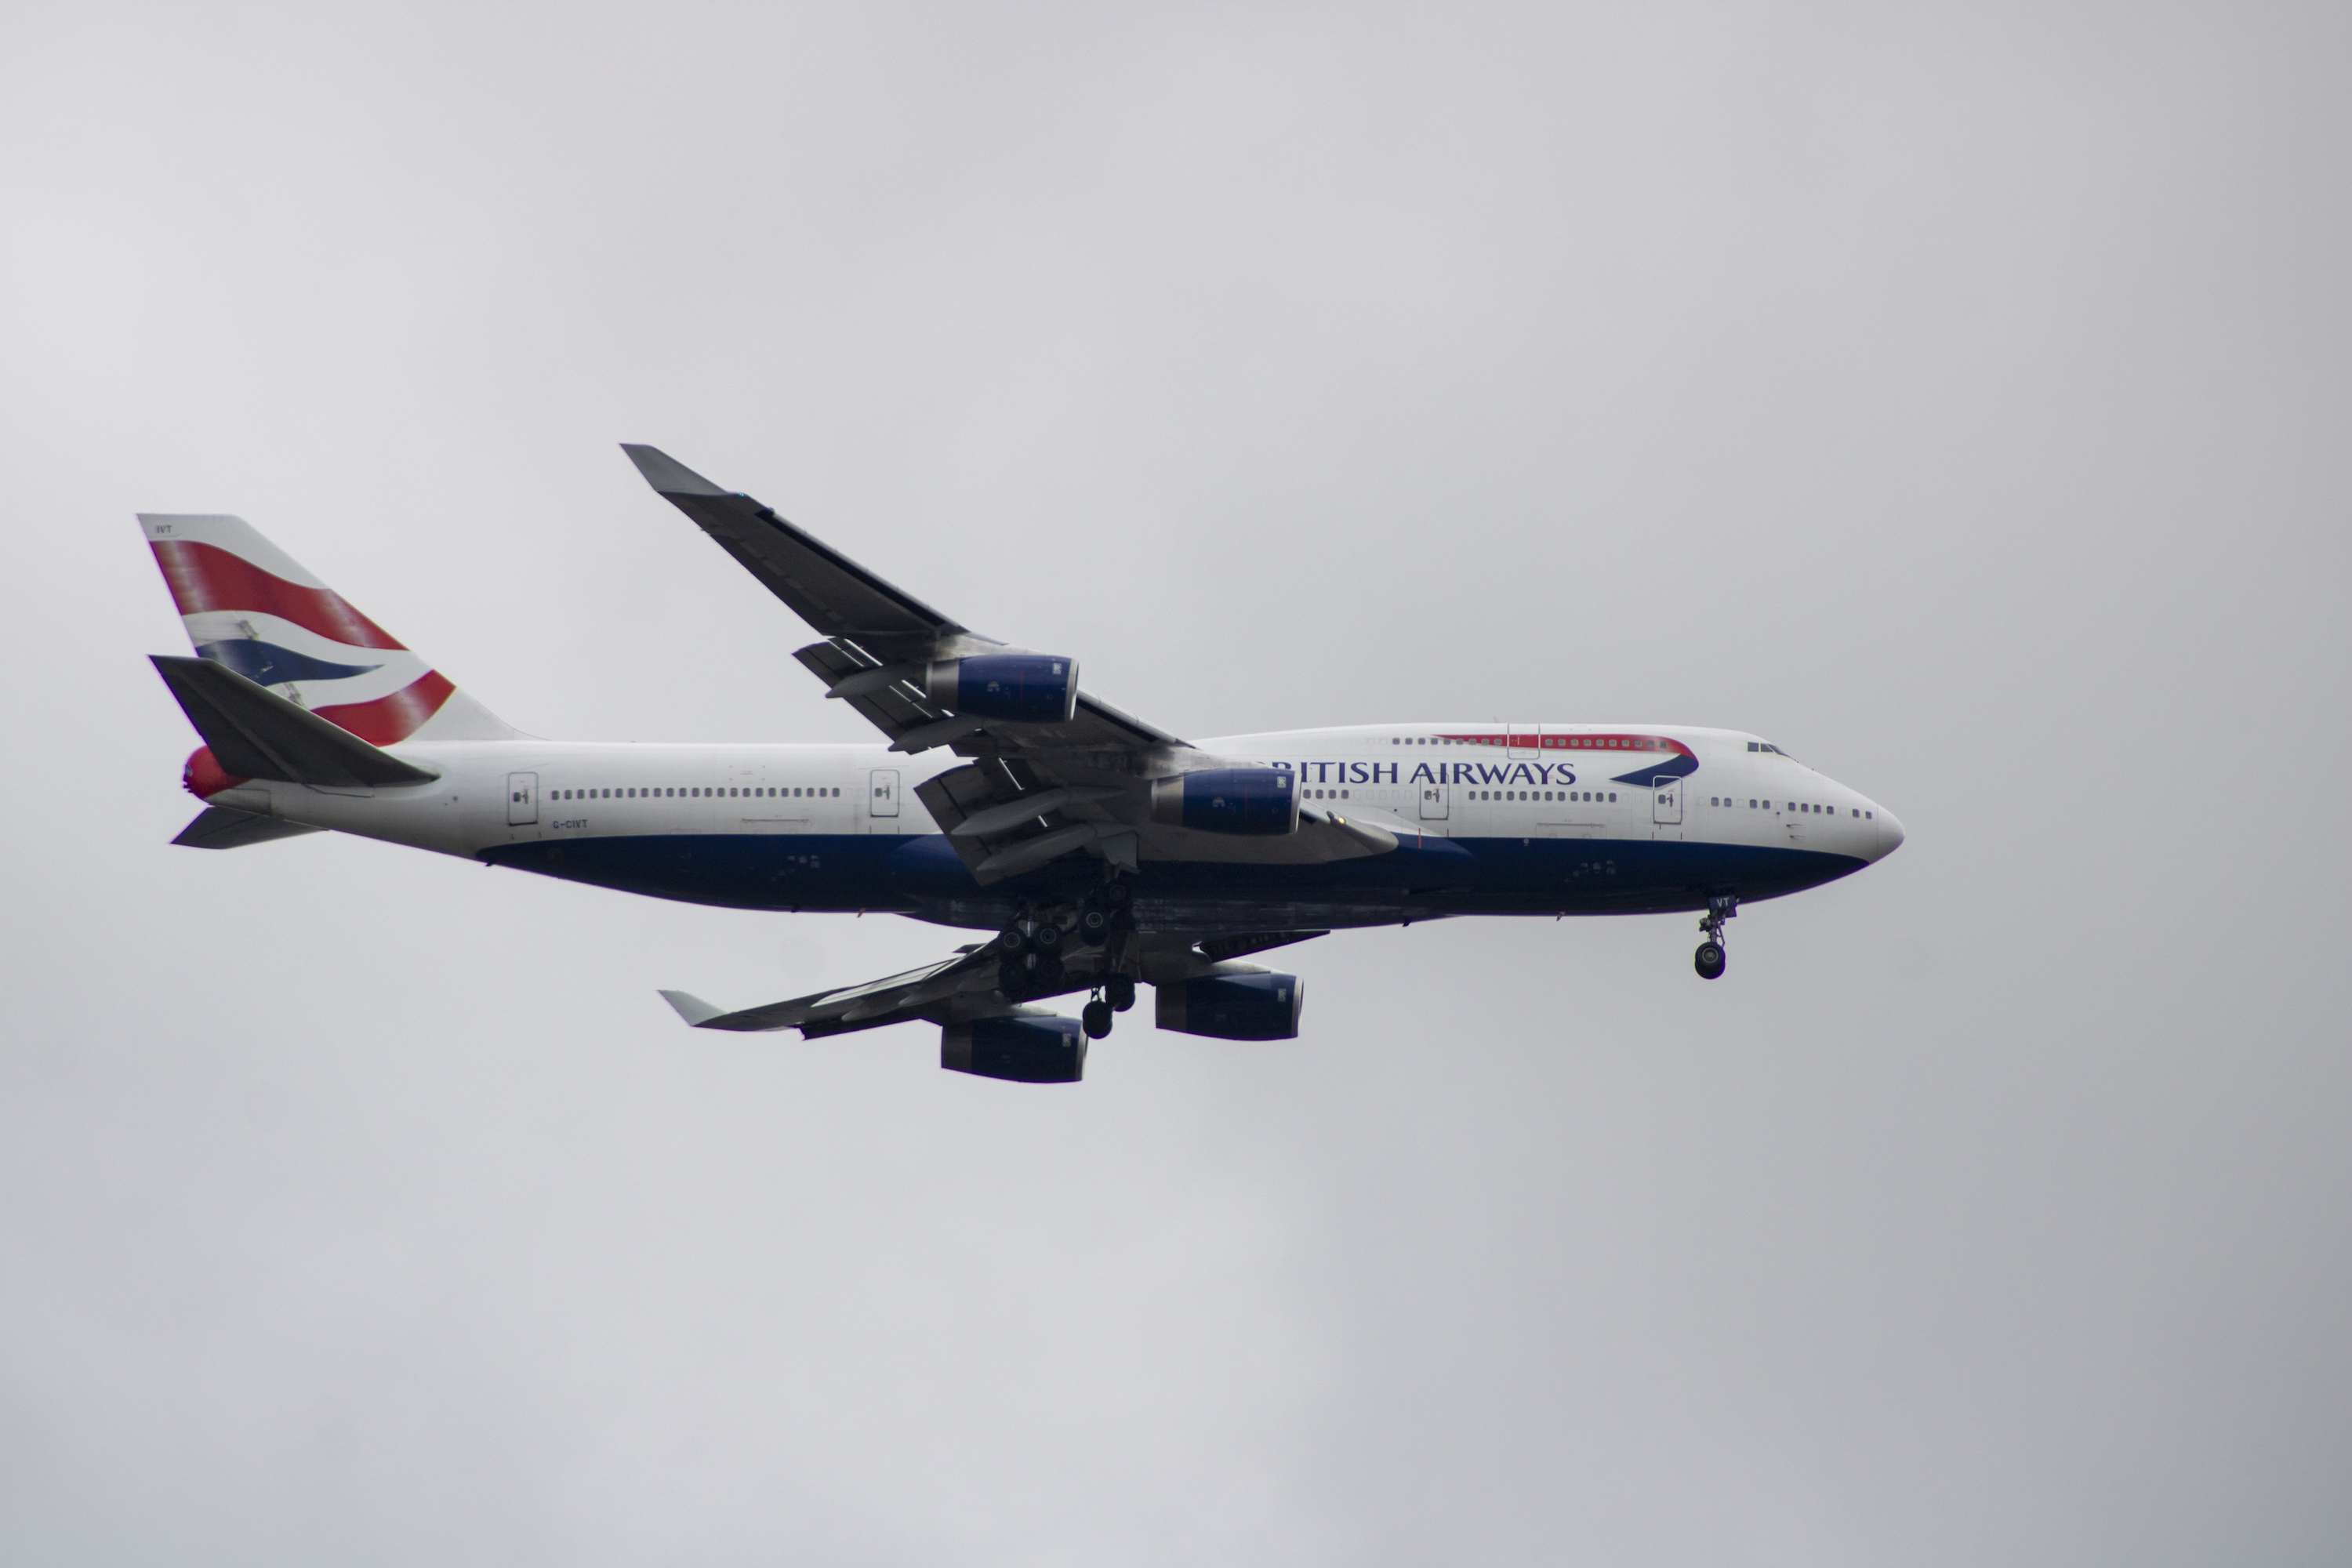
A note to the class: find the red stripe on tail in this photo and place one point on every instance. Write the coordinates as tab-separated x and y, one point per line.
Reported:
388	721
206	577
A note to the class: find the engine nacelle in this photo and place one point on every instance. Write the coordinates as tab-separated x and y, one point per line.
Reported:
1232	1006
1018	1049
1027	687
1260	801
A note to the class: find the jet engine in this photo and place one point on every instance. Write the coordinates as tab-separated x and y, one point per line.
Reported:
1024	1049
1231	1006
1258	801
1027	688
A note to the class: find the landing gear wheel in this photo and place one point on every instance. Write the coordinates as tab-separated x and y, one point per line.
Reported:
1118	894
1048	937
1095	1019
1094	922
1120	991
1035	974
1710	959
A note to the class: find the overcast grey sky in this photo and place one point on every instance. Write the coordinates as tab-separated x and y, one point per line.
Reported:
1956	396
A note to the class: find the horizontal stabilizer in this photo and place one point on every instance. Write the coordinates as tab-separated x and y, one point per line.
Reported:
218	827
692	1008
255	733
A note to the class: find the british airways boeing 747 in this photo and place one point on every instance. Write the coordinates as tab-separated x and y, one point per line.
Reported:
1095	850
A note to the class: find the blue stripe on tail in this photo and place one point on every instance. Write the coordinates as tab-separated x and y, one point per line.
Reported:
267	664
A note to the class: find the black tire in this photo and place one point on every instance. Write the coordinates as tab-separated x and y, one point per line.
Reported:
1708	961
1045	975
1046	938
1012	980
1010	943
1118	894
1120	991
1094	922
1095	1019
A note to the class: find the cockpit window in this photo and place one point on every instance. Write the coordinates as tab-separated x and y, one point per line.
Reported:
1768	746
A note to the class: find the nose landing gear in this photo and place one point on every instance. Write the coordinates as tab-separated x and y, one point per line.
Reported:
1710	958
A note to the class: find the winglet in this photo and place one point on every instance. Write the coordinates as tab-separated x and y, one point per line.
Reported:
690	1007
666	474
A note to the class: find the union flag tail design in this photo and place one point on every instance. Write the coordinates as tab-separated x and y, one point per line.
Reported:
250	606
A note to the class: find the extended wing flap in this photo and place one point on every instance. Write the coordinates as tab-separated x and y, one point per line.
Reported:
895	708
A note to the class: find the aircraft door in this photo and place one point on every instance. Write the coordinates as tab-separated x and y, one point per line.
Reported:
882	795
1666	801
1433	803
1524	740
523	799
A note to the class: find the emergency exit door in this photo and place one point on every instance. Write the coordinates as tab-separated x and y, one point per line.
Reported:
1667	801
882	794
523	799
1433	803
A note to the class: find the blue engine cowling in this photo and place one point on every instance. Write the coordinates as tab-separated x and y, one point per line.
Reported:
1232	1006
1027	687
1019	1050
1228	800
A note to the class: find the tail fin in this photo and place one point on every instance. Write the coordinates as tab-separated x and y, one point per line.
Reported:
250	608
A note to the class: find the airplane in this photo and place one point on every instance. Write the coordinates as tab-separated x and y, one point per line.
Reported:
1095	850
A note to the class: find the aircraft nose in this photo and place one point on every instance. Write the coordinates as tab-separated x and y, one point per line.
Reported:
1890	832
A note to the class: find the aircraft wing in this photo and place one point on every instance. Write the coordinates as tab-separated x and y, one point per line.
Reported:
967	986
878	637
1034	790
962	988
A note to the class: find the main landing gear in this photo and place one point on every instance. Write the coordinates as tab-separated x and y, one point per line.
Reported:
1029	958
1117	995
1031	954
1710	959
1100	918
